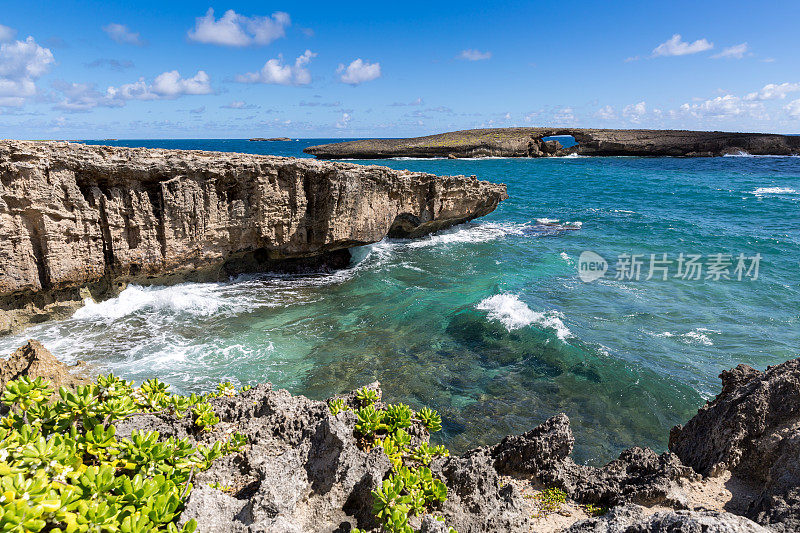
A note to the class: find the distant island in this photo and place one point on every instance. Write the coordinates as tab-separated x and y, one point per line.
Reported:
257	139
540	142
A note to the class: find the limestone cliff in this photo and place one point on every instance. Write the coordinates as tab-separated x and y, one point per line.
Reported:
76	218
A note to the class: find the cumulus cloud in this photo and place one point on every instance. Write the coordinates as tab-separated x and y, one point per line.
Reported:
635	112
675	46
606	113
359	71
733	52
344	122
6	33
474	55
166	86
723	107
773	91
274	71
121	34
21	64
234	29
793	109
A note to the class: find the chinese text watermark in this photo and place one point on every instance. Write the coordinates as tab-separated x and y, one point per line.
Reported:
645	267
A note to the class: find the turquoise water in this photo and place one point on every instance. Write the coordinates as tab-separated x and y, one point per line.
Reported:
489	322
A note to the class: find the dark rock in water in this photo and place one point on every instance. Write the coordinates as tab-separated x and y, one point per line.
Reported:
752	428
633	519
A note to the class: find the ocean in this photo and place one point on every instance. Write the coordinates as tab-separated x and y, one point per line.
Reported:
498	323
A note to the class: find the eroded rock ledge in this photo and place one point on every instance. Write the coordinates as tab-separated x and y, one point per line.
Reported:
79	220
304	470
528	142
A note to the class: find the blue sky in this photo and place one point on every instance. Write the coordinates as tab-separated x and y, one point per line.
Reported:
78	69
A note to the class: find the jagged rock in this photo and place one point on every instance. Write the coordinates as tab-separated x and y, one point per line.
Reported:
639	475
752	428
476	502
78	217
35	361
527	142
633	519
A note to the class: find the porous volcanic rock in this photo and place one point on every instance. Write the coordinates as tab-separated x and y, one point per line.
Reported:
632	518
528	142
79	221
752	428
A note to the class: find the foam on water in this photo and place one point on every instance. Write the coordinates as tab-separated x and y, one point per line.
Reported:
513	313
469	233
761	191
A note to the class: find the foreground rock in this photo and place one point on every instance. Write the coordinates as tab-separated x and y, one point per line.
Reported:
304	470
528	142
635	519
752	428
35	361
79	221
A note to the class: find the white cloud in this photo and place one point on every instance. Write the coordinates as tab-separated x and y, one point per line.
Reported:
635	112
274	71
21	64
773	91
474	55
121	34
234	29
344	122
239	104
677	47
606	113
793	109
733	52
166	86
6	33
358	72
724	107
171	85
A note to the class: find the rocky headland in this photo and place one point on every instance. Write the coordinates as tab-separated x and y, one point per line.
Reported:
734	467
81	221
529	142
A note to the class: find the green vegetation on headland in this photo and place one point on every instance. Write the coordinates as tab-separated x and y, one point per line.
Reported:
411	489
64	469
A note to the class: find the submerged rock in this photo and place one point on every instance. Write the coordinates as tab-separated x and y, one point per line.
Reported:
76	217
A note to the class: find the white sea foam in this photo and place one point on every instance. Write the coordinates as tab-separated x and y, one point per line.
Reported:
695	336
201	299
566	257
546	220
513	313
761	191
469	233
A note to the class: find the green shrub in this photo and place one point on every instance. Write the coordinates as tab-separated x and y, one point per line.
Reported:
63	469
410	490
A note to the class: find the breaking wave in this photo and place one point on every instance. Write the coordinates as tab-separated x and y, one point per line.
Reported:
513	313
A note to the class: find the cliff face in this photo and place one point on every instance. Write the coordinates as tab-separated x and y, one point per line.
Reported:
75	218
527	142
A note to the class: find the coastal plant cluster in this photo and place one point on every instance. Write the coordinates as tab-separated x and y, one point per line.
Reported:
64	470
411	489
